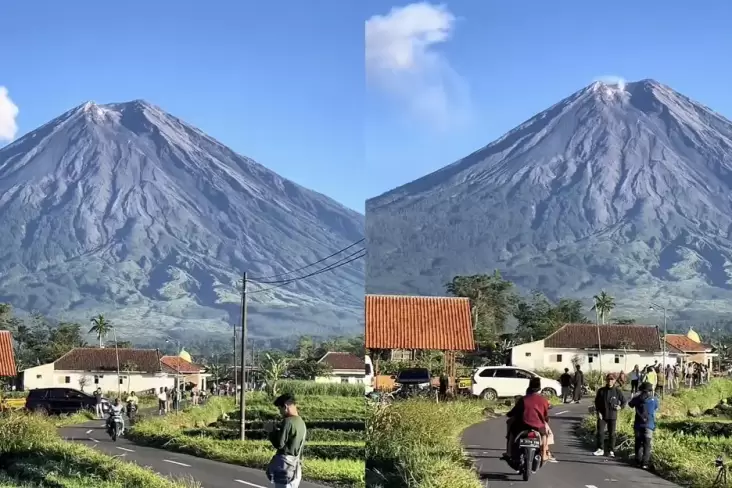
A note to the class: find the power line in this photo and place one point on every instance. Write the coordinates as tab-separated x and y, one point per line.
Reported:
296	278
311	264
342	262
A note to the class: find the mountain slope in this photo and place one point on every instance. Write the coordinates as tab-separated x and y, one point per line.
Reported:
126	210
621	187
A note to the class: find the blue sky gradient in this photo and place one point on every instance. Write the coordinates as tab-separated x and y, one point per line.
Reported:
279	81
518	58
284	82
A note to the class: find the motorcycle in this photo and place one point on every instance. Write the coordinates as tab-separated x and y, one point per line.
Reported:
526	455
131	411
115	426
586	391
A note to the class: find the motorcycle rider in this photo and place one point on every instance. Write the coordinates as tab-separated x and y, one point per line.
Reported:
115	410
530	412
132	402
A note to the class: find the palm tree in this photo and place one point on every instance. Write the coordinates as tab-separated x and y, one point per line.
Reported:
273	369
604	303
100	327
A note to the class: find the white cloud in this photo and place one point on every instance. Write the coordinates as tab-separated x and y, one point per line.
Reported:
402	60
8	113
612	80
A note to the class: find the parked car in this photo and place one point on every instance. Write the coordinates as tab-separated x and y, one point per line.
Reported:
413	382
491	382
61	401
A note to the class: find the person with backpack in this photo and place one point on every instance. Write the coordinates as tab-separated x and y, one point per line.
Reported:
285	467
608	401
645	404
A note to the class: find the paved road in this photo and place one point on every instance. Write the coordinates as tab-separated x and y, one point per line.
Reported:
211	474
576	467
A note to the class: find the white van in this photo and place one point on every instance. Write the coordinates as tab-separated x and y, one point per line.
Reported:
368	379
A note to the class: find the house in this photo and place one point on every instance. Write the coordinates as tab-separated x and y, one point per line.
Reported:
183	369
398	326
620	348
691	348
345	368
7	355
89	368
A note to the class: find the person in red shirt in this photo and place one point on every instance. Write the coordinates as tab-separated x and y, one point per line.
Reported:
530	412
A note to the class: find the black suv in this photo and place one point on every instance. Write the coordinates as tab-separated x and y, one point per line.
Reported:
61	401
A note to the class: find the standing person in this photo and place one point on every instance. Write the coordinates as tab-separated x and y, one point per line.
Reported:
162	401
651	377
608	401
634	378
670	377
565	381
578	382
285	467
98	405
645	405
622	379
167	399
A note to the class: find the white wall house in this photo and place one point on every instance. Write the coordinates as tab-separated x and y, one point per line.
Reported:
622	346
346	368
90	368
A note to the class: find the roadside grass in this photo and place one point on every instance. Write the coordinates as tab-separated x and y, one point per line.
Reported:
685	446
313	388
32	454
334	452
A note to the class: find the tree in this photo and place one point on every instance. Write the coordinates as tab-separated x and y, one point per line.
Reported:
604	304
129	366
538	317
83	381
624	321
305	347
100	327
274	368
307	369
491	301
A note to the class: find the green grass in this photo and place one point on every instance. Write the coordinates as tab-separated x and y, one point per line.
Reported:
336	457
683	450
33	455
311	388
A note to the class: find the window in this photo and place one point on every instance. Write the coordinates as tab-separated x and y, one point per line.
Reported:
591	357
506	373
528	354
487	373
67	379
344	380
617	358
122	380
558	358
523	374
96	380
39	376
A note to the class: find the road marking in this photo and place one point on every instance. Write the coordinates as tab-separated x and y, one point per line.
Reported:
179	464
125	449
249	484
560	413
90	431
590	486
93	439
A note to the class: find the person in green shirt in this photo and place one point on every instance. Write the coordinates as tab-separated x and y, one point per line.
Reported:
288	438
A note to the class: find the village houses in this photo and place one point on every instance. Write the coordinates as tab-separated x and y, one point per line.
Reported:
345	368
610	348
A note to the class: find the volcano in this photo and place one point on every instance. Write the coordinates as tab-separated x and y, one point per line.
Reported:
625	188
125	210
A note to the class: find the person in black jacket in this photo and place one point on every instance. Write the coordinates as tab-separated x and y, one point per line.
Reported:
608	401
578	382
566	381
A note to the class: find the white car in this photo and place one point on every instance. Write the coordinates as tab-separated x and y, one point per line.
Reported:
492	382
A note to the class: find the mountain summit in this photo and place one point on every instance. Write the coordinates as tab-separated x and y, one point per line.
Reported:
622	187
125	210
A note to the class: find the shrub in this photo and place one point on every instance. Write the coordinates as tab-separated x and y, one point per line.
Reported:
33	453
416	443
312	388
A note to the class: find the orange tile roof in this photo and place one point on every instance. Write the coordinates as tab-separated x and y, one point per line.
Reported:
680	341
411	322
177	363
7	355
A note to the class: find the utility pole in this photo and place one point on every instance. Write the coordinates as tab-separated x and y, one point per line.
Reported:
236	382
242	397
599	344
116	353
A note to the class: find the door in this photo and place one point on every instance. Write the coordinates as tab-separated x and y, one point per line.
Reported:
522	381
59	400
507	384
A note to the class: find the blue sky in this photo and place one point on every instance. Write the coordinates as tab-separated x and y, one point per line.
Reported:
509	60
279	81
285	82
